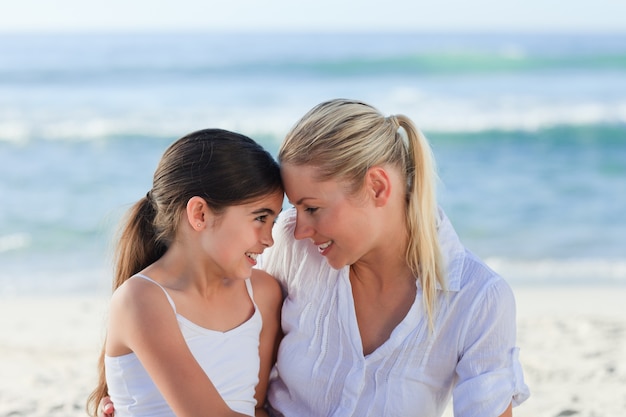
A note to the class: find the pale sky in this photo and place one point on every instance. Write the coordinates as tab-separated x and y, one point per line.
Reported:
314	15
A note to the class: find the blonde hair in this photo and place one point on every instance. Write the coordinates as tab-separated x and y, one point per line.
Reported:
343	139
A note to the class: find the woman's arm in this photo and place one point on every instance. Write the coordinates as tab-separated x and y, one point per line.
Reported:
268	298
142	321
490	376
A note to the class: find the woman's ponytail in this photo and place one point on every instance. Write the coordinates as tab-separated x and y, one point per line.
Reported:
423	252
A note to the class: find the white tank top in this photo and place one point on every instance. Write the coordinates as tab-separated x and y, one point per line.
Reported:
230	359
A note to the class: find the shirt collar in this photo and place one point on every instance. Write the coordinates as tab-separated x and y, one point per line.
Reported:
452	251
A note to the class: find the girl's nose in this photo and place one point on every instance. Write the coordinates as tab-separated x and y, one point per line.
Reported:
266	238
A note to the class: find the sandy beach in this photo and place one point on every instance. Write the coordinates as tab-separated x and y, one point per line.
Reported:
572	340
527	130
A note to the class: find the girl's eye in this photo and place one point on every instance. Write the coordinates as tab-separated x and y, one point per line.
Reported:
311	210
262	219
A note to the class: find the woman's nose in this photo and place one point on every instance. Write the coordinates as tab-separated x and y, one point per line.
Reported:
303	230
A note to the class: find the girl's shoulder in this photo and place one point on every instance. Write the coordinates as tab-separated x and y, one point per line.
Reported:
267	292
140	312
266	289
139	295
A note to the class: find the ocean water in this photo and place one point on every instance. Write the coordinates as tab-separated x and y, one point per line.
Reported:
529	133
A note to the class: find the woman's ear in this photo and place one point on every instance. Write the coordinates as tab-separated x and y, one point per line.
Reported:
197	213
378	184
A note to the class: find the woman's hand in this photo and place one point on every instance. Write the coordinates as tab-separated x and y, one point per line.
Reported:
105	408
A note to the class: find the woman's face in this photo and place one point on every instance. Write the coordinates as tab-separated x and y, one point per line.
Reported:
337	223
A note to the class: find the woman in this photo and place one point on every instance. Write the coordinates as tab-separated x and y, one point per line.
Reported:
386	312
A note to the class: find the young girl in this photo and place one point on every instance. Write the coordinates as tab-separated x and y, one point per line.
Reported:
185	292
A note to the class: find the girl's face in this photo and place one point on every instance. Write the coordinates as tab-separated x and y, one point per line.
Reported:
337	223
236	237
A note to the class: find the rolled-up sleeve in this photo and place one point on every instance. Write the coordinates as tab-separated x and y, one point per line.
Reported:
489	372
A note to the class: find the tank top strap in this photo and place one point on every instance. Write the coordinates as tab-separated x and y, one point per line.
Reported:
250	292
163	288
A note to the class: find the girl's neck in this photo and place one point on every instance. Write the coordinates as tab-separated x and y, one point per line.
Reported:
180	269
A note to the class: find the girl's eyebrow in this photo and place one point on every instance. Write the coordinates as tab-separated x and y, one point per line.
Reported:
264	210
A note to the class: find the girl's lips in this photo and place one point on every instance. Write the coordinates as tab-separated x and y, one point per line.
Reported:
252	257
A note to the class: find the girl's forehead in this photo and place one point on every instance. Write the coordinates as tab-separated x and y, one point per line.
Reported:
275	197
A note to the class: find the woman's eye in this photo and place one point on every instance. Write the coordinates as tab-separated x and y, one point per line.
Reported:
262	219
311	210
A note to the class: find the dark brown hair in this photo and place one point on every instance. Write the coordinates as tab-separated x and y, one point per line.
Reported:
222	167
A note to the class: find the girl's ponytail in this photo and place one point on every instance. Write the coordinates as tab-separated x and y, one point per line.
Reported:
139	244
137	248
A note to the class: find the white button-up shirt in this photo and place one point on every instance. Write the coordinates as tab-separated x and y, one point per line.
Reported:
321	369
